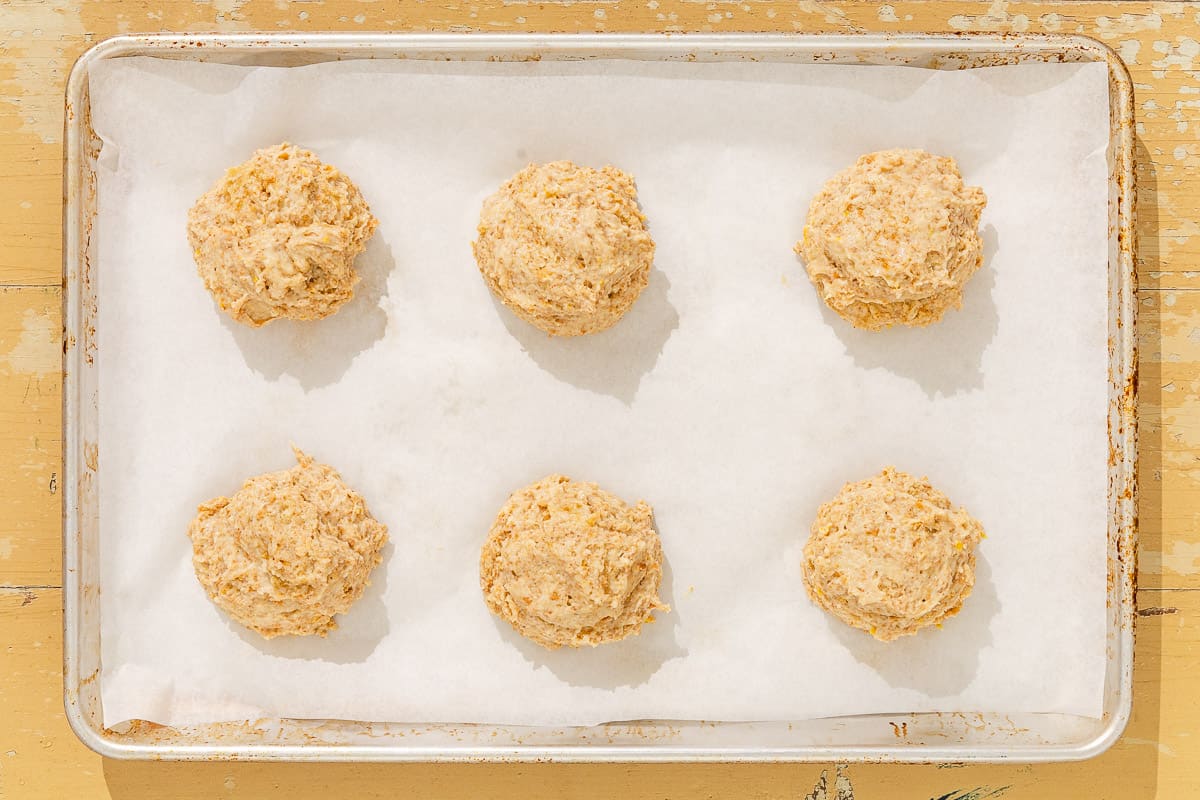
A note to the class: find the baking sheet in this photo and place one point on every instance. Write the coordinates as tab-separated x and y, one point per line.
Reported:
728	398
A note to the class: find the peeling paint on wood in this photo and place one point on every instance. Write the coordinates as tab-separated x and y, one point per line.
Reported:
37	349
842	790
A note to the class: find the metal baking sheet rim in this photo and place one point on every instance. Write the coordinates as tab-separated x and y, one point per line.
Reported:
918	738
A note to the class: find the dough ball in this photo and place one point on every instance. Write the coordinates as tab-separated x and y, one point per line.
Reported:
277	237
565	247
288	551
890	555
568	563
893	239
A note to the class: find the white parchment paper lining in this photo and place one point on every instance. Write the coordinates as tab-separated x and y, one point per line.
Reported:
729	397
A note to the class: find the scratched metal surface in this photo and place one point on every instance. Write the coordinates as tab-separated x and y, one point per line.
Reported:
39	757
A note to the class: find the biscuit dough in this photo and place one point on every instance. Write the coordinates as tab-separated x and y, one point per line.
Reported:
565	247
893	239
567	563
288	551
890	555
277	237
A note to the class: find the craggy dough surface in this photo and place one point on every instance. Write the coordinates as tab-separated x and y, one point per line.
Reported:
893	239
890	555
565	247
277	237
288	551
567	563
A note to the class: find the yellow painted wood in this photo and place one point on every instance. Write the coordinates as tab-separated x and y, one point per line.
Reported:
1169	447
39	757
30	436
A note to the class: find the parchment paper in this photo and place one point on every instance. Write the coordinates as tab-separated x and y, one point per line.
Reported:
729	397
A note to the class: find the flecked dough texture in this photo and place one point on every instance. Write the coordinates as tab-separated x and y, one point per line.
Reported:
567	563
565	247
890	555
893	239
288	551
277	236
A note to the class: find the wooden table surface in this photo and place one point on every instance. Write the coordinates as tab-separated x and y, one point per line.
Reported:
39	756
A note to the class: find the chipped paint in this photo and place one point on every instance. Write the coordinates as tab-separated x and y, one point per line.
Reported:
1129	49
1112	27
830	12
25	71
6	548
229	8
1180	54
1051	23
1179	557
997	18
842	790
36	350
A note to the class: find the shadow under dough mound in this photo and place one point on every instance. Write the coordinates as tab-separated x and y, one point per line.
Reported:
944	358
612	362
936	662
629	662
359	631
318	352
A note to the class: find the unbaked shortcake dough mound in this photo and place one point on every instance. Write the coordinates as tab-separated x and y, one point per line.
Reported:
288	551
277	237
890	555
567	563
893	239
565	247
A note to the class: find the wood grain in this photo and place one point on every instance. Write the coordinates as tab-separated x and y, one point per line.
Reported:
30	436
39	757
